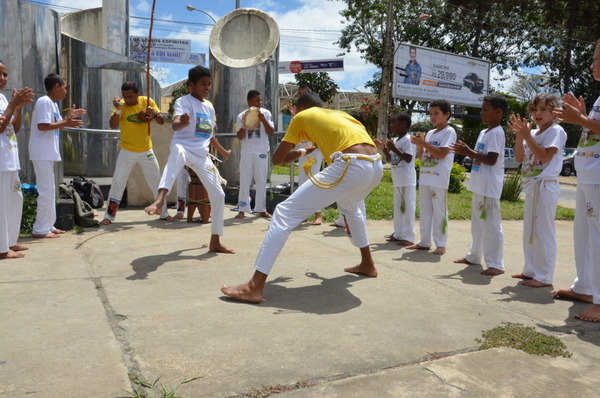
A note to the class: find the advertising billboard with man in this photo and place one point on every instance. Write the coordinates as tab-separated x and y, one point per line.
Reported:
425	74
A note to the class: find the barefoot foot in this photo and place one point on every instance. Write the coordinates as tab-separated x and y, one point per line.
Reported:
404	243
178	216
153	208
463	261
265	214
417	247
58	231
521	276
240	215
18	248
534	283
491	271
439	251
567	293
168	218
242	292
48	235
106	221
11	254
367	270
591	315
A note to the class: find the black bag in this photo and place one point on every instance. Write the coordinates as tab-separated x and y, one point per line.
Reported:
89	191
84	214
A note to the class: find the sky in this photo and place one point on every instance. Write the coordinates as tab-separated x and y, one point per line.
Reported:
308	31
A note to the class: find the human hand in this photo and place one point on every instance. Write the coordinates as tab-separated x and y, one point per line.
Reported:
310	149
75	113
418	139
379	144
578	103
20	98
184	119
519	126
390	145
117	103
71	122
226	155
292	109
460	148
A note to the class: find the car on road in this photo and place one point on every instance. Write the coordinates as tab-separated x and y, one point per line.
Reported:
473	82
510	163
568	158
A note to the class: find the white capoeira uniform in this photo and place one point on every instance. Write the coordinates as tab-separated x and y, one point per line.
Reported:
587	212
486	184
190	147
434	177
125	162
404	178
348	179
44	152
363	174
183	183
540	184
254	163
11	197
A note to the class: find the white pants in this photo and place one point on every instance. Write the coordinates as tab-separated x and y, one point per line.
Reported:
539	234
486	232
11	208
587	241
314	169
340	219
125	162
434	216
361	177
208	175
45	217
183	182
404	221
253	165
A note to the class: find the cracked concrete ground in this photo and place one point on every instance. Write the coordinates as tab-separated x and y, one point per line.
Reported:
83	313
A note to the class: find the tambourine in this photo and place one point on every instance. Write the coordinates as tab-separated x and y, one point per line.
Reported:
251	120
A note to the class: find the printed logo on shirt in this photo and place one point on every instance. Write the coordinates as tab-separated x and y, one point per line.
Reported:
428	161
133	118
590	210
531	166
253	133
479	148
203	126
12	138
56	118
587	140
17	186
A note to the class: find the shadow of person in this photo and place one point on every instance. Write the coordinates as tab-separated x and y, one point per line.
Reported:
419	256
385	246
585	331
330	296
145	265
471	274
535	295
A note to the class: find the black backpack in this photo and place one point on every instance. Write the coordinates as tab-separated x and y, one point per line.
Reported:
89	191
84	214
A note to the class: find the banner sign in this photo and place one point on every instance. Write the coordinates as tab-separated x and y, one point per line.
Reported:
140	43
174	51
425	74
321	65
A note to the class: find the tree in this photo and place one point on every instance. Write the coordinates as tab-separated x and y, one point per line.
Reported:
319	82
527	87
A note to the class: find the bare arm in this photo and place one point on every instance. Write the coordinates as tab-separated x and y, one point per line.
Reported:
214	141
574	113
268	127
13	110
460	148
285	153
181	121
523	133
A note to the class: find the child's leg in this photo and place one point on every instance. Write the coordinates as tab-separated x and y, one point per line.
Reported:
246	172
476	252
125	162
182	188
175	163
151	171
407	218
492	235
261	167
426	215
440	218
15	207
544	249
46	203
207	173
5	211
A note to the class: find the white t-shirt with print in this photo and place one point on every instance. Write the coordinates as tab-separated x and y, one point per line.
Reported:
435	172
403	173
9	151
45	145
256	140
532	169
587	157
196	136
485	179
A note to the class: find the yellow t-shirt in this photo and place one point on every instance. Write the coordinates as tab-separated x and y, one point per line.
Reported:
134	132
330	130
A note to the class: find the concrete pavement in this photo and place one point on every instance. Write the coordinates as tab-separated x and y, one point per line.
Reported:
82	313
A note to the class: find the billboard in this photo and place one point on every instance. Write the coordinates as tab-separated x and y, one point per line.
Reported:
176	51
319	65
425	74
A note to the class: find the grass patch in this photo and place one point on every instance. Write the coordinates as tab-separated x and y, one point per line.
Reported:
524	338
284	169
155	389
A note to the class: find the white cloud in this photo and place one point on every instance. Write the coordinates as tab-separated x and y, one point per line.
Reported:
143	6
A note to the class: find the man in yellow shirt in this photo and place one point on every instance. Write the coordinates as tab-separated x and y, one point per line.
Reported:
133	113
354	169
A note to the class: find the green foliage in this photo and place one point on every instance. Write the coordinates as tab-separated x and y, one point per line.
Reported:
178	92
458	175
320	82
29	211
511	187
143	388
524	338
369	110
421	127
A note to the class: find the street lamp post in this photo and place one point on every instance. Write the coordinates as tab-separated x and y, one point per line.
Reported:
192	8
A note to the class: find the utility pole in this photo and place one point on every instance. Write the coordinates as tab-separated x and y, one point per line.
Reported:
384	95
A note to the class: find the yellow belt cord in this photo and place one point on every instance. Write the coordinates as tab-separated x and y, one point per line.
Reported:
328	185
